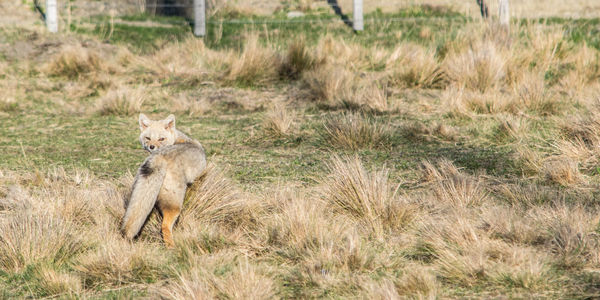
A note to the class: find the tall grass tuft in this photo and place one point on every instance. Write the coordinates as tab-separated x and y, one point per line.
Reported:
74	61
480	68
278	121
453	187
366	196
298	59
214	198
122	101
413	66
354	131
256	65
28	239
329	84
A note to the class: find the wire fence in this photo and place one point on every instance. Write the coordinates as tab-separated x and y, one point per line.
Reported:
91	11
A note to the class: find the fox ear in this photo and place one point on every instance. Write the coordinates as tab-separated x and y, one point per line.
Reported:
169	122
144	122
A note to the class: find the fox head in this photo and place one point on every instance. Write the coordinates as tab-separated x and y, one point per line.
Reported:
157	134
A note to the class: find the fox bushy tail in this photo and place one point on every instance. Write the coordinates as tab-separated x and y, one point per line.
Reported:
148	182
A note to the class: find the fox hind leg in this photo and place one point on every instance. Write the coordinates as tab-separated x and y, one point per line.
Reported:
170	202
170	215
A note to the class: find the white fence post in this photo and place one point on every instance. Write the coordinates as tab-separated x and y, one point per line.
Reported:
358	23
199	17
51	15
503	13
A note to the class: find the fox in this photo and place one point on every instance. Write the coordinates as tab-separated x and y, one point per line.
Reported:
175	161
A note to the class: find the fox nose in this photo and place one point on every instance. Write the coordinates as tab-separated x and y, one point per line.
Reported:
151	147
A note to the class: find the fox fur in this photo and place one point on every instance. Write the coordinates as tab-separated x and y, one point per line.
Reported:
175	161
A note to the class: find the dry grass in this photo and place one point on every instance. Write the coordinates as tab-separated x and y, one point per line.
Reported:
279	121
480	68
193	64
355	131
123	101
53	282
74	61
256	65
563	171
411	65
368	197
117	262
298	59
513	127
213	198
29	239
329	83
8	104
453	187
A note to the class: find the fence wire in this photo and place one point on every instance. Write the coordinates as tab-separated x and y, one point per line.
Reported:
99	9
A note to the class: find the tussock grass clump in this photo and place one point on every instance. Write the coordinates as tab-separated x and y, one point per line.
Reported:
116	262
462	253
215	198
188	63
411	65
535	97
246	282
207	281
515	224
369	95
570	234
563	171
188	286
480	68
8	105
74	61
256	65
428	132
355	131
583	128
279	121
512	127
28	239
467	254
338	52
51	282
304	229
526	269
584	71
298	59
368	197
530	161
453	187
330	84
375	98
122	101
578	150
418	281
463	103
192	106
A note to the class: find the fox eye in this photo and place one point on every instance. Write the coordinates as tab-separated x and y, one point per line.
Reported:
147	138
161	139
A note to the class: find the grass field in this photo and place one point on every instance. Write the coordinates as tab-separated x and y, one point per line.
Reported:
434	156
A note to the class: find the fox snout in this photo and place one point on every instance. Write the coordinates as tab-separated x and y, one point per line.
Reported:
151	147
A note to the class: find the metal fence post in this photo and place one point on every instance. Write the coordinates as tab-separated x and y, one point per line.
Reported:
51	15
503	13
199	17
358	23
